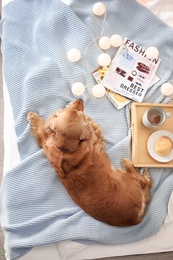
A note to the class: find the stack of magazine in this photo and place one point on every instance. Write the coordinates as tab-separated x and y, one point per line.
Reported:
129	76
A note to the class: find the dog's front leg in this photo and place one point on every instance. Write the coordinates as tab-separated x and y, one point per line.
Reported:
37	126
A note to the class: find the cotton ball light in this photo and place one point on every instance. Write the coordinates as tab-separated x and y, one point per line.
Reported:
73	55
105	43
104	59
98	91
152	53
99	9
167	89
116	40
78	89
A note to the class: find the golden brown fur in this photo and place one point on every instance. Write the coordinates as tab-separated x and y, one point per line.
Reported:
74	145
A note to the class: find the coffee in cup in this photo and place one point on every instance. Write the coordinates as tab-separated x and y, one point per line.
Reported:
154	117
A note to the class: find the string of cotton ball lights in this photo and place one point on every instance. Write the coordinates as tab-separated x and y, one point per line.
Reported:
104	60
104	42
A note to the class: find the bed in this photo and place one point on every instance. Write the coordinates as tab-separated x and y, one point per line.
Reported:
38	218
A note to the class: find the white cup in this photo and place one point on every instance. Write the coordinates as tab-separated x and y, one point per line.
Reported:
154	117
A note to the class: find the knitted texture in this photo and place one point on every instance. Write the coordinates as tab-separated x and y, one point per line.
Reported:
35	207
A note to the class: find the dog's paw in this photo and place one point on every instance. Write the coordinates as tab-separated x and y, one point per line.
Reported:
147	176
34	119
32	116
37	127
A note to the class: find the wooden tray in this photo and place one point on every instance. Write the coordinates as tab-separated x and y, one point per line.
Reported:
140	135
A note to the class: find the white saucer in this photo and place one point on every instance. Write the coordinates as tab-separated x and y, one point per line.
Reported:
151	146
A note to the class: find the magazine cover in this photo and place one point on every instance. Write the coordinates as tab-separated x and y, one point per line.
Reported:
130	73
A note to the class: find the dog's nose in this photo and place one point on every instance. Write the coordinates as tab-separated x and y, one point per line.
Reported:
80	104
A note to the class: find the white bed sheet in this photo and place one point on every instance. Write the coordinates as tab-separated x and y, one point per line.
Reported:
161	242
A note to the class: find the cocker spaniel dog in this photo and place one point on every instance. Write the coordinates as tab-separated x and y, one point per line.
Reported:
74	146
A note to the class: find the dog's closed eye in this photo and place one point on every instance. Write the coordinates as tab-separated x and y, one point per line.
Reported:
81	140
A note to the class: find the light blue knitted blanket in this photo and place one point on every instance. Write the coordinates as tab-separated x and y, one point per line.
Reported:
37	34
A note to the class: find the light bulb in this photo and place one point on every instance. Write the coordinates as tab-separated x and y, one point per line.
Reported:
152	53
167	89
116	40
104	59
98	91
105	43
78	89
99	9
73	55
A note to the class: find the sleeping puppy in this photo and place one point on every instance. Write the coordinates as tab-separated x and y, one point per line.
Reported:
74	146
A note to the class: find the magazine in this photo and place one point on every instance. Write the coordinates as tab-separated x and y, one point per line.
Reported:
130	73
